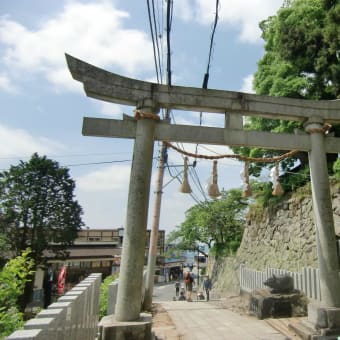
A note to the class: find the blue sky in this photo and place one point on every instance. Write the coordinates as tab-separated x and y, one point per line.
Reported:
42	107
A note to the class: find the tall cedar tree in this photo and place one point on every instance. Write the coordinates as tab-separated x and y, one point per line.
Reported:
38	209
301	60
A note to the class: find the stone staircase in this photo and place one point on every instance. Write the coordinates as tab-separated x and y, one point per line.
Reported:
298	328
290	327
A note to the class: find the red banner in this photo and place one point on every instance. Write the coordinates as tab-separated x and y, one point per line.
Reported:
61	280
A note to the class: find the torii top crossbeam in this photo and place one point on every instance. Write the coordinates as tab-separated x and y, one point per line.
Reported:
111	87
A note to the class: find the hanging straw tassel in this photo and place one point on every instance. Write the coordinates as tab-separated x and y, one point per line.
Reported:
274	175
245	179
213	191
185	187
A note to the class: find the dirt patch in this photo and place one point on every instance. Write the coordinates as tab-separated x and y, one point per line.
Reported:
235	303
162	325
160	317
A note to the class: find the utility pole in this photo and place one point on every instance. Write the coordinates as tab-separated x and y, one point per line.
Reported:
154	231
158	192
198	267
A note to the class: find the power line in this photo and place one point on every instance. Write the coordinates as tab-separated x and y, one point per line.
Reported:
92	163
69	155
177	177
194	176
96	163
157	35
169	13
153	41
206	75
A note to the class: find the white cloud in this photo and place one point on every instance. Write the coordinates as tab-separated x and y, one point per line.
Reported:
90	31
18	142
112	110
106	179
6	85
247	85
245	15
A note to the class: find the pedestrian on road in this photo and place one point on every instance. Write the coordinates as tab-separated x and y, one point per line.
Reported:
207	286
188	279
181	297
177	286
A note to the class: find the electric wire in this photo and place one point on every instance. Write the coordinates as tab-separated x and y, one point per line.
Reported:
153	41
206	76
176	176
96	163
92	163
193	174
157	36
69	155
168	31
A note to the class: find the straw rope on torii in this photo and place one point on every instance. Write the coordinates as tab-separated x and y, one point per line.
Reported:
239	157
213	190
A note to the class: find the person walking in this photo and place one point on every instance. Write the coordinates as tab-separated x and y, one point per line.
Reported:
188	279
207	286
177	286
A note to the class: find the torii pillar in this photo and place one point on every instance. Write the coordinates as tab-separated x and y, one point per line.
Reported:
129	298
328	312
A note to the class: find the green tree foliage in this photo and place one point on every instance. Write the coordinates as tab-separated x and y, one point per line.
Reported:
217	223
302	44
37	207
13	278
4	249
38	210
301	60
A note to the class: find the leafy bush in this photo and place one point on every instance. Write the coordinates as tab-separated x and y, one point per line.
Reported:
292	181
10	320
203	271
104	294
336	168
262	193
13	278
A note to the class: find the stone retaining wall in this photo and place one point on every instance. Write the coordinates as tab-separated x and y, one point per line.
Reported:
282	237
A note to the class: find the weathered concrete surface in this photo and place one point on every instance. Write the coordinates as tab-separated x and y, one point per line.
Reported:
111	329
27	334
126	128
129	296
200	320
111	87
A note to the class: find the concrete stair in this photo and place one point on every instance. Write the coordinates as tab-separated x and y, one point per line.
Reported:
288	327
304	329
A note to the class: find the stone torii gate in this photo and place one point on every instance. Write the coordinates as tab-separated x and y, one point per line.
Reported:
148	98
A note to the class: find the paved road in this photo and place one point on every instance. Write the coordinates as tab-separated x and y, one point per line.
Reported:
164	292
204	320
